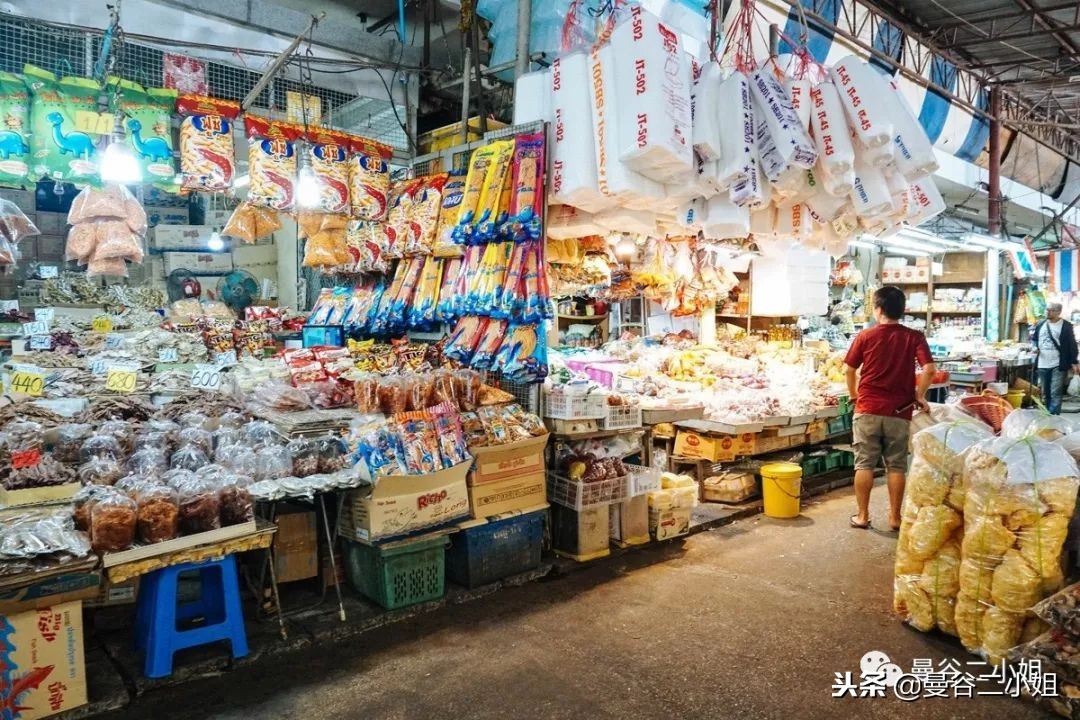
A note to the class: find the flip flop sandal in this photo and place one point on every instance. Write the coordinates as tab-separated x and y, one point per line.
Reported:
858	525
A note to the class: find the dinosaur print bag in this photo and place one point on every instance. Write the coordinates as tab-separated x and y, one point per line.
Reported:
14	131
65	127
148	125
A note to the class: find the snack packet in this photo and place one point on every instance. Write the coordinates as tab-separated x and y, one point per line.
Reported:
206	142
419	442
271	162
452	446
329	151
369	179
59	151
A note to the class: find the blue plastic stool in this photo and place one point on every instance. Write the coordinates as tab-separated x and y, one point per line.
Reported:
158	612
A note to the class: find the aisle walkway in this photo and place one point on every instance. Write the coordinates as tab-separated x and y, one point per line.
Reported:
749	621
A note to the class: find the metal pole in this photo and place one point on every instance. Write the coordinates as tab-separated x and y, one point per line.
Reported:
278	63
474	35
524	21
466	85
994	205
774	40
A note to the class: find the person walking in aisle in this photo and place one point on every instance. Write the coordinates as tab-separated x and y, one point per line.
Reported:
880	379
1055	342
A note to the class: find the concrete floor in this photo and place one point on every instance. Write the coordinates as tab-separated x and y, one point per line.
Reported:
751	620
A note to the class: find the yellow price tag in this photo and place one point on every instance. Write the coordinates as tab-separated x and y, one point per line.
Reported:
121	381
94	123
27	383
102	324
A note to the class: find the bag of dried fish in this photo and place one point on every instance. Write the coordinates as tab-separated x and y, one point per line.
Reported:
149	461
236	506
200	506
100	445
100	470
112	523
188	457
158	514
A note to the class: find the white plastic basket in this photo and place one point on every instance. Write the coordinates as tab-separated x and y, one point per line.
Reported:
564	406
641	479
578	495
620	417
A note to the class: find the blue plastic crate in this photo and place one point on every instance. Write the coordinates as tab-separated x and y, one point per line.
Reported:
483	554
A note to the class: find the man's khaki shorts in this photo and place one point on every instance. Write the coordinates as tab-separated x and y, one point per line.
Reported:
878	438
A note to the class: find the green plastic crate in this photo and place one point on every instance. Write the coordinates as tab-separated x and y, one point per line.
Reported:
398	576
834	460
813	465
848	459
836	425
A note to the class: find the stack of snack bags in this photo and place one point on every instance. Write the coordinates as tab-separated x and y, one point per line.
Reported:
416	442
1021	496
928	550
108	226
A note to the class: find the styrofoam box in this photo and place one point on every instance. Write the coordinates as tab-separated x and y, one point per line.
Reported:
166	216
217	218
181	237
198	262
254	255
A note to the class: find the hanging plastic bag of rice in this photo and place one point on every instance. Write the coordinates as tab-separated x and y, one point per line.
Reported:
1020	497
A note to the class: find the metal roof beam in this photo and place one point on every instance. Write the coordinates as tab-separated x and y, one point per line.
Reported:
946	26
992	37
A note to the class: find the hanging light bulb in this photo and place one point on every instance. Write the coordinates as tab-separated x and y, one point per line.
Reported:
215	242
307	186
118	163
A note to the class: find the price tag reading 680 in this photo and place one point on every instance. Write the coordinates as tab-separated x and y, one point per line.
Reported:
118	380
206	377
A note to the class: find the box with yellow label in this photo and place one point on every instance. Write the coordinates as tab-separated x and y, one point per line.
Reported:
718	448
43	670
502	462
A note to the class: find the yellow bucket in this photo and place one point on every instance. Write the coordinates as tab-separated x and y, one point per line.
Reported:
1015	398
781	485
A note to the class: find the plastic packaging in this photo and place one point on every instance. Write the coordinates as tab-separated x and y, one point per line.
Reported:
69	440
100	470
305	456
112	523
188	457
738	136
200	507
148	461
197	437
333	454
927	565
235	500
574	178
271	162
58	150
259	433
467	388
865	104
272	463
176	477
1021	496
239	459
158	514
328	158
831	134
83	502
1035	423
206	142
123	431
369	179
100	445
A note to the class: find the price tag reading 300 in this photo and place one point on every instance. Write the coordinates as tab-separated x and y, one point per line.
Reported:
206	377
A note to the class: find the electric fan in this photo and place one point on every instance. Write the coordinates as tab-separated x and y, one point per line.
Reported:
182	285
238	289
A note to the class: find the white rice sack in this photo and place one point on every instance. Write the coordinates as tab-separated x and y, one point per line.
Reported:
837	185
925	201
799	93
616	181
565	221
725	220
707	112
824	207
870	196
738	134
652	77
898	189
786	130
754	191
763	221
864	101
914	151
690	218
793	222
831	133
627	220
573	150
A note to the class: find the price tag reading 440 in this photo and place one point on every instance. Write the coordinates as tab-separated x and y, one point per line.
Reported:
120	380
206	377
27	383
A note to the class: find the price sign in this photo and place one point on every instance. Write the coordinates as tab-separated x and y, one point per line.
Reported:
35	327
21	459
27	383
46	272
120	380
96	365
9	306
94	123
114	341
206	377
225	359
41	342
168	355
45	315
102	324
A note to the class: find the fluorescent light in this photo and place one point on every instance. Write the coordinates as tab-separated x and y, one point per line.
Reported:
862	244
904	251
901	241
987	241
965	210
927	237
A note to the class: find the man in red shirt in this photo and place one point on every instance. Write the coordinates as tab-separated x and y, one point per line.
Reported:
885	394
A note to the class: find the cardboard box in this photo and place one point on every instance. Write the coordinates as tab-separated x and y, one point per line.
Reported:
770	440
25	199
37	496
718	448
922	274
44	657
249	256
669	523
198	263
503	462
400	505
110	594
74	581
296	547
166	216
514	493
181	237
216	218
51	223
816	432
629	521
